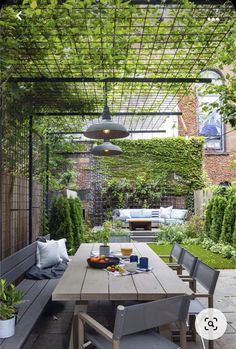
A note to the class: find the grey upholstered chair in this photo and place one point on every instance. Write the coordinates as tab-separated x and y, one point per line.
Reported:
175	254
206	277
135	325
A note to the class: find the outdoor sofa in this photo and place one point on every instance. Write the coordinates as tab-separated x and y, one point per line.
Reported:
164	215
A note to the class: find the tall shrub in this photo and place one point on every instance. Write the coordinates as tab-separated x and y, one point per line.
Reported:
234	236
217	215
229	221
76	214
60	225
208	216
80	218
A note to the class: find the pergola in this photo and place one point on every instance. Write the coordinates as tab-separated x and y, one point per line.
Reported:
149	52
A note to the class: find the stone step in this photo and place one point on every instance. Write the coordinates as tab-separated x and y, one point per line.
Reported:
144	238
143	233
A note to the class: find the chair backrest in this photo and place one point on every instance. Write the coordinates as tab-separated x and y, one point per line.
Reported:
140	317
188	261
206	276
176	252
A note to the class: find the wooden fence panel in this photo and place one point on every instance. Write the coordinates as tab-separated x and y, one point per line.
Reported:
15	213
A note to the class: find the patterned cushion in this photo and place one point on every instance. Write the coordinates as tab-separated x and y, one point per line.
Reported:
155	213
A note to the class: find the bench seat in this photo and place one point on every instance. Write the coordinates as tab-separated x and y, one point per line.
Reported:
37	293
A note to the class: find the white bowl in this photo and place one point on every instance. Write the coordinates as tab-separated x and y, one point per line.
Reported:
131	267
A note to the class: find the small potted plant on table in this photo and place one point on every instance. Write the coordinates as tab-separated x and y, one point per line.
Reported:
10	297
104	234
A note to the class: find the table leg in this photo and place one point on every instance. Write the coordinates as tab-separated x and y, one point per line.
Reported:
74	336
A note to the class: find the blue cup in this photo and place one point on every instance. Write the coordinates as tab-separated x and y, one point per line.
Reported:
143	263
133	258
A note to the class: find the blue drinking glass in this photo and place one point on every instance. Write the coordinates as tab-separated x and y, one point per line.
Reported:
143	263
133	258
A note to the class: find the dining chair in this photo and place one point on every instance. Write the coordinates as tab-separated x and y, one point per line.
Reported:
175	254
207	277
188	262
136	326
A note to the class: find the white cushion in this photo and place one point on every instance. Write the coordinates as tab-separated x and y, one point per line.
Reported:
178	213
47	254
165	212
125	213
62	249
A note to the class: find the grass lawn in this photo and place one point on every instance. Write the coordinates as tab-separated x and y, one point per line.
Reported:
212	259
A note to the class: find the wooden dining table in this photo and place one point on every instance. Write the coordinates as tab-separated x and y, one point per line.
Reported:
82	283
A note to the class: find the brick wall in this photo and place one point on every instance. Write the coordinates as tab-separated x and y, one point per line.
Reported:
219	167
187	123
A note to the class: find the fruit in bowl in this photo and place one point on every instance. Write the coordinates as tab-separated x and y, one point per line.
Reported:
126	251
102	262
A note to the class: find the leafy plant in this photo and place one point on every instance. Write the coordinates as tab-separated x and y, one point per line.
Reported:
104	234
10	297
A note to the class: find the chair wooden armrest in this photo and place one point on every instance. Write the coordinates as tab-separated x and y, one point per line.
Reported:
96	325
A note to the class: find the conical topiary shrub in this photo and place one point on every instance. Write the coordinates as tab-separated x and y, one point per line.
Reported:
80	215
229	221
60	225
208	216
77	220
217	215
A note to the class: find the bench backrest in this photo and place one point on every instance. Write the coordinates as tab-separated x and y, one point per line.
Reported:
16	265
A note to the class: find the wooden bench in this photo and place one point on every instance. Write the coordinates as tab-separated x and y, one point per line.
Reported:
38	293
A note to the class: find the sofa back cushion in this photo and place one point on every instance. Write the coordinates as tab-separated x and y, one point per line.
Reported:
125	213
140	213
178	213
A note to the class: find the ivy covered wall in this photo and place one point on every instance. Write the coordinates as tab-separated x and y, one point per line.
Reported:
151	169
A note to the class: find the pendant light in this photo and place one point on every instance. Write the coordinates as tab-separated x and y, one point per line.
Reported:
106	149
106	129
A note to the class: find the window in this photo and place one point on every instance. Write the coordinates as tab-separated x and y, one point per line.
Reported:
210	123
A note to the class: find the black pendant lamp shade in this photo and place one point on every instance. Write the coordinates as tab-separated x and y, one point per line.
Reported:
106	129
106	149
